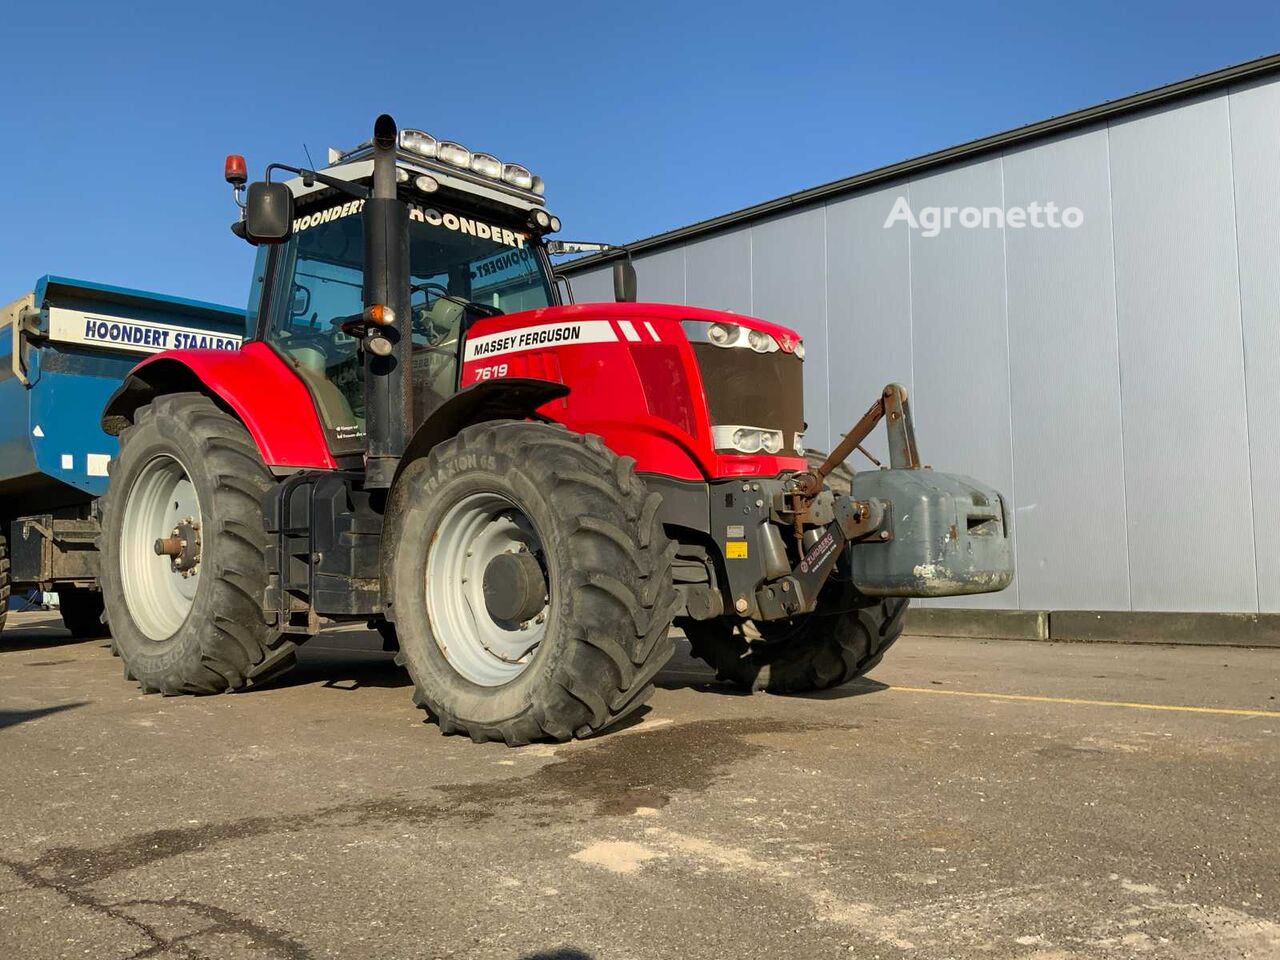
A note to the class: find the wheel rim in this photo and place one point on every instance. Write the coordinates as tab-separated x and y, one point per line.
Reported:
482	649
161	501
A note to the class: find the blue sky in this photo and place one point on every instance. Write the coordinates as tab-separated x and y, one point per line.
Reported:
114	118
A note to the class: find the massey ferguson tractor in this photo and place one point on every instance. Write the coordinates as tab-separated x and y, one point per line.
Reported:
520	494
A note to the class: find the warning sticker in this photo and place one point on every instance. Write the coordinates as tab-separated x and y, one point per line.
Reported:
735	549
544	335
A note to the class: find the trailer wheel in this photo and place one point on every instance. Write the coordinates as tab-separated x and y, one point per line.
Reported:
4	580
812	652
190	477
532	583
82	612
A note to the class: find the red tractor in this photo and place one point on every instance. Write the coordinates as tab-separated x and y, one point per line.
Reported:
521	494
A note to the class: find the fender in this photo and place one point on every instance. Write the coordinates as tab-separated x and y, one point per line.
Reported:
508	398
253	382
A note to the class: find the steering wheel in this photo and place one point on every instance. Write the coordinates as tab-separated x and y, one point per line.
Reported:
419	315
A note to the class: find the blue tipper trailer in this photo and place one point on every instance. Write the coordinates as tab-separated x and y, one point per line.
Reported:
64	348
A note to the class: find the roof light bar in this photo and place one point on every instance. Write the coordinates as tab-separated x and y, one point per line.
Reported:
423	144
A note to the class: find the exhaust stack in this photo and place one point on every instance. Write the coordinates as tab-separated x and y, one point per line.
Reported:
388	385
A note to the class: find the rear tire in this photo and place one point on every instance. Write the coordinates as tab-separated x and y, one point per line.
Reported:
204	633
813	652
609	600
82	612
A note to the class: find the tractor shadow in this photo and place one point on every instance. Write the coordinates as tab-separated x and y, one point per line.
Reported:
343	658
686	672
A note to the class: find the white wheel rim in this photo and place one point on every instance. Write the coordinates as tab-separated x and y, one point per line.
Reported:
158	596
474	531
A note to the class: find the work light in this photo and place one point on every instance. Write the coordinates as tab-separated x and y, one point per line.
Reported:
517	176
415	141
454	154
486	165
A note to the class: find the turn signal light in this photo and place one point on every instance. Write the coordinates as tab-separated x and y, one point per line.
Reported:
380	315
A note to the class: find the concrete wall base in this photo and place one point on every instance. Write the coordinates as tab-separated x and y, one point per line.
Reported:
1106	626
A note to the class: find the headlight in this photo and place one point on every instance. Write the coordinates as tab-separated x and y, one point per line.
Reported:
723	334
761	342
455	154
486	165
746	439
415	141
426	184
800	349
538	186
799	445
402	175
517	176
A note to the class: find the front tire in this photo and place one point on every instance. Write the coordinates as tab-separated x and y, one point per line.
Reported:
578	649
813	652
189	469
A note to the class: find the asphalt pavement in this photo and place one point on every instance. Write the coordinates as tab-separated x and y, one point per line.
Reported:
971	799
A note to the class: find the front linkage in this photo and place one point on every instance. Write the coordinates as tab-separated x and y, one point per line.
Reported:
907	531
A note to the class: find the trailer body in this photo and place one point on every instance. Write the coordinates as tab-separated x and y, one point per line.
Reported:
65	346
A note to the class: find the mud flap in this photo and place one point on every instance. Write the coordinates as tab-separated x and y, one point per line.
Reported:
949	537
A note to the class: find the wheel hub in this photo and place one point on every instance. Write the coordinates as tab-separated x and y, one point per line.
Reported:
489	597
515	589
182	547
160	547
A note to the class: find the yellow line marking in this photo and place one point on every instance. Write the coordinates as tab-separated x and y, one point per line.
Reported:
1223	711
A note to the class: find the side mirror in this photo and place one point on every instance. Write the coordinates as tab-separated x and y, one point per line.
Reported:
268	212
301	300
624	281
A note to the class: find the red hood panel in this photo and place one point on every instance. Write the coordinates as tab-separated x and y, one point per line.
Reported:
633	312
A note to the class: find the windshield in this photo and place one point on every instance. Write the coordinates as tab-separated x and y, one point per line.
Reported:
458	264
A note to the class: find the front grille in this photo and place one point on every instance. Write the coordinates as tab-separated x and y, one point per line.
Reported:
754	389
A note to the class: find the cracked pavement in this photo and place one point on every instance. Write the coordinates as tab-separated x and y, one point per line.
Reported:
320	817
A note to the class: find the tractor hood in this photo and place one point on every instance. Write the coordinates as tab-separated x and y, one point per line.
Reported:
637	313
690	393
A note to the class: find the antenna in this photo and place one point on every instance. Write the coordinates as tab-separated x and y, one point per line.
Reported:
311	163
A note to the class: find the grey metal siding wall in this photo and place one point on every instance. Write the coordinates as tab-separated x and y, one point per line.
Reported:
1119	382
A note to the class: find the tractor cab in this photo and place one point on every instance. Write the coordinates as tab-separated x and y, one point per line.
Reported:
475	249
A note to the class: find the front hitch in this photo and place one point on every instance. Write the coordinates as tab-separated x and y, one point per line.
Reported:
906	530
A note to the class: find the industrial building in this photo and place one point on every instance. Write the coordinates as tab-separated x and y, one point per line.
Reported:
1117	378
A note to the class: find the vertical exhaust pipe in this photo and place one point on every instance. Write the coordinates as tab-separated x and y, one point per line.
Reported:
388	387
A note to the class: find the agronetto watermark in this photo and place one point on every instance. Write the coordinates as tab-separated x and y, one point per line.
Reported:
931	221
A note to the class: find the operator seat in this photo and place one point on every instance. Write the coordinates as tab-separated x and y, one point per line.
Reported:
435	362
